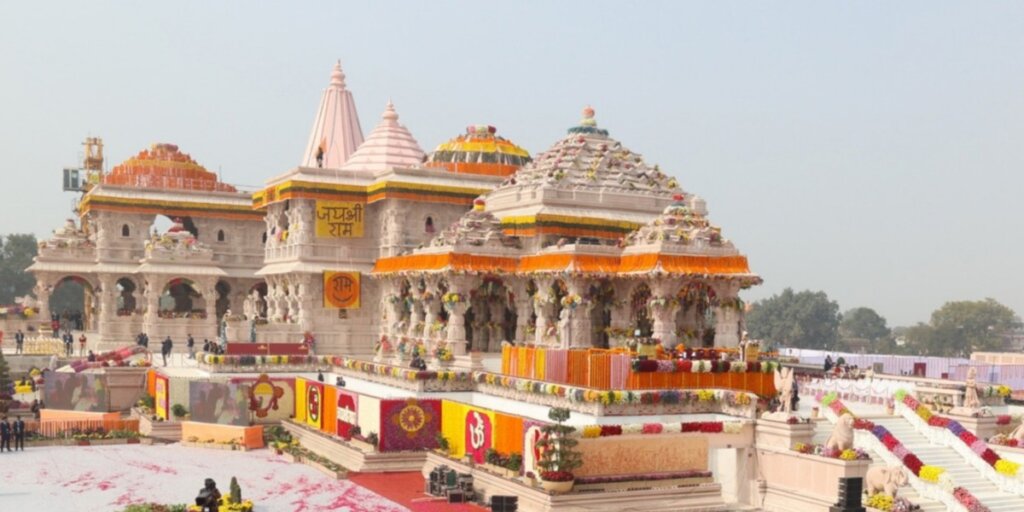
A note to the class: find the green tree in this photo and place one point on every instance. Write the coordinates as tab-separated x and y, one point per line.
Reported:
963	327
16	253
863	324
795	319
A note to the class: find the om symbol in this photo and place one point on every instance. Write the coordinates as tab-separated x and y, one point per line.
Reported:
476	433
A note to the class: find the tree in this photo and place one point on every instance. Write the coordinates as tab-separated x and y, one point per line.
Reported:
964	327
795	319
864	324
16	253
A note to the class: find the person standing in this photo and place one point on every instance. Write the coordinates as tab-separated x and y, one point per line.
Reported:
81	345
795	396
19	434
166	348
5	435
19	342
69	341
191	344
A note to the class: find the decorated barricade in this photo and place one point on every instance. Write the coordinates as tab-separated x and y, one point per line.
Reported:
56	423
266	349
873	391
617	369
396	424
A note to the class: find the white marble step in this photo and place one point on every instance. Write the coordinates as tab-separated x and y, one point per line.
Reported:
962	473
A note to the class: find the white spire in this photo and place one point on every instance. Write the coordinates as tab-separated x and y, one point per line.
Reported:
336	132
388	146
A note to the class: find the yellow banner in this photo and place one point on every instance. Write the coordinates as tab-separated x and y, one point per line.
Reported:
341	290
339	219
161	397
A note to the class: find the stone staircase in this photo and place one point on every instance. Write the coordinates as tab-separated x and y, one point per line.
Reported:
963	474
821	432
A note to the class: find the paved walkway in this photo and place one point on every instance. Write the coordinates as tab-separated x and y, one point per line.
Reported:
110	477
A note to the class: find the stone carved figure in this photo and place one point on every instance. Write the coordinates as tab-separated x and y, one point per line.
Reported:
784	384
971	400
1018	433
563	329
842	434
884	479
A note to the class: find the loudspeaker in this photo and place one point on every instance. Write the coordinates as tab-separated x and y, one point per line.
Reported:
504	503
850	490
455	496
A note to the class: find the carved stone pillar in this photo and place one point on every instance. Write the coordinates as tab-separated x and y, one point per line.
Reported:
43	296
106	301
304	296
729	315
580	331
457	314
457	327
152	294
663	307
417	318
544	308
432	309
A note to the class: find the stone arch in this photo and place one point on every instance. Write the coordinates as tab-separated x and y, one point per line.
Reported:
75	312
127	302
181	298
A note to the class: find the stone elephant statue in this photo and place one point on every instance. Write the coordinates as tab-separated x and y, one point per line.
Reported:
884	479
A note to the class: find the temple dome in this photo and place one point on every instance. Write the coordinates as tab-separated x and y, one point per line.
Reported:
388	146
588	158
479	151
684	226
164	166
336	133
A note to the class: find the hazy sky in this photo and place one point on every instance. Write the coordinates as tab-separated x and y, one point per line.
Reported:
872	150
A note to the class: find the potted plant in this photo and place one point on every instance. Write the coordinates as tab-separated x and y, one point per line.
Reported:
559	457
179	411
443	446
513	464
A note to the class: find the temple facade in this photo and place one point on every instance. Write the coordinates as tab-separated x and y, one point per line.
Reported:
373	239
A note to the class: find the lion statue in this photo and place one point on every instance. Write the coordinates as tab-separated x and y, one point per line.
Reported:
842	435
884	479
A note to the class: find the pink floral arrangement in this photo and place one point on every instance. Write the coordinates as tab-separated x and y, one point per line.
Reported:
965	498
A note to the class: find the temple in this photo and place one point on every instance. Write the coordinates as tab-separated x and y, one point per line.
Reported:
557	331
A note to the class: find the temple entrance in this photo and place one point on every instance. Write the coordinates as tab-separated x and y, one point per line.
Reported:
72	304
486	320
643	325
127	304
223	303
695	321
181	299
256	302
602	295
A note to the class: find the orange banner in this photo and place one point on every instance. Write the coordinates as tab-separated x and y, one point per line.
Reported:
341	290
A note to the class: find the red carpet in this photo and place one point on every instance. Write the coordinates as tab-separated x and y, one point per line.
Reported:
406	489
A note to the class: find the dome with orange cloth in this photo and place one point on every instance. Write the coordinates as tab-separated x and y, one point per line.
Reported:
165	166
479	151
